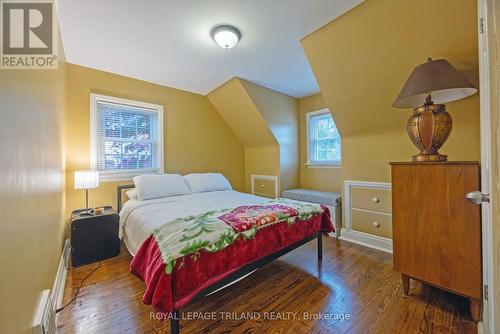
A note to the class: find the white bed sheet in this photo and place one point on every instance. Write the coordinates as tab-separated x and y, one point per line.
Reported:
138	219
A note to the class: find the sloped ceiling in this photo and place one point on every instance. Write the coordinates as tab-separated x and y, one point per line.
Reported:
241	115
281	114
362	59
266	123
168	41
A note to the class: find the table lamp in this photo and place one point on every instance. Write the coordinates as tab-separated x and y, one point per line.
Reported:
429	86
86	179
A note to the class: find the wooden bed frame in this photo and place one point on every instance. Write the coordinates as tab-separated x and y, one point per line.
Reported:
238	274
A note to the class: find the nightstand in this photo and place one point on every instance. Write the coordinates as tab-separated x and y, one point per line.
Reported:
94	238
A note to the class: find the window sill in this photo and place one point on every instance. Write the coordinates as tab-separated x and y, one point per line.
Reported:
106	176
324	165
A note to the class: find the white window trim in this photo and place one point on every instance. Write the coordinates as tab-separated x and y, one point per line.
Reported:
123	175
309	164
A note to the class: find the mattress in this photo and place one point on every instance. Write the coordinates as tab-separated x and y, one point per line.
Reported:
138	219
192	245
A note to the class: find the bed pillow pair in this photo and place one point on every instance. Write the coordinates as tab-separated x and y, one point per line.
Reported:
165	185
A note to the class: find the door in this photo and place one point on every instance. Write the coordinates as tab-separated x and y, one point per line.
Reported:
489	70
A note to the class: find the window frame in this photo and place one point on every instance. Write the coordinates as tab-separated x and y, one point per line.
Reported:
126	174
312	164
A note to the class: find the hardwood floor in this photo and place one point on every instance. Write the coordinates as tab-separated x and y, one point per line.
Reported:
352	281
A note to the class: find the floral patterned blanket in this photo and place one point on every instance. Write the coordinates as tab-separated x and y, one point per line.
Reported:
215	230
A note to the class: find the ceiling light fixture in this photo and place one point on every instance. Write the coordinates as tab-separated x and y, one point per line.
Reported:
225	36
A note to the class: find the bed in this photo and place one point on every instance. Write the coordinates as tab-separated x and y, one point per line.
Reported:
151	231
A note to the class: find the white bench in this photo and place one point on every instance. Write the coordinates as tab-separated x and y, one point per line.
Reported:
331	199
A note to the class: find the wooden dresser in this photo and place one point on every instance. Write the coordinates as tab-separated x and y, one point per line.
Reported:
436	231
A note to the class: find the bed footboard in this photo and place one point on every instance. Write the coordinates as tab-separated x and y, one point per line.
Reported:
320	246
174	323
246	270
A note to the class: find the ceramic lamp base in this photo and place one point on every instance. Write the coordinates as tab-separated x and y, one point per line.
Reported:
429	128
430	157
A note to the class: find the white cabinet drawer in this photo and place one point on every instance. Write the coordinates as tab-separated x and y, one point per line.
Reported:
373	223
371	199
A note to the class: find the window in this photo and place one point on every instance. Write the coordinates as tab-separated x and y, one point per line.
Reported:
324	144
126	137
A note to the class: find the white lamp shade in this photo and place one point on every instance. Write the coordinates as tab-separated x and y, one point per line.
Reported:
86	179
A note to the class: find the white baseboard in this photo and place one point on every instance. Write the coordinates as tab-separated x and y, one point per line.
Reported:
62	271
367	240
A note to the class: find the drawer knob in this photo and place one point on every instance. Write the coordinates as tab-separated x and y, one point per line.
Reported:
262	186
376	224
375	200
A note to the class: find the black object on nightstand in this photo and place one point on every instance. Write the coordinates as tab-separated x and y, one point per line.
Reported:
94	238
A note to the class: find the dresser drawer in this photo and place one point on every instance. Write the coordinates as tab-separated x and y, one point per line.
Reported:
264	187
371	199
373	223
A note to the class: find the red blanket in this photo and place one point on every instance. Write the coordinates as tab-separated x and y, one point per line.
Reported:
168	292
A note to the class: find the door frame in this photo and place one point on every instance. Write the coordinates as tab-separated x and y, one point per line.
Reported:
489	322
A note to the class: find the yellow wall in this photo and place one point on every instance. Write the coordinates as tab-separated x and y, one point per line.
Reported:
31	192
240	113
326	179
196	137
280	112
263	160
266	123
362	59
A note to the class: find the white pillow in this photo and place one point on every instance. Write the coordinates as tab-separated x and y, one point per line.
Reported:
163	185
131	194
202	182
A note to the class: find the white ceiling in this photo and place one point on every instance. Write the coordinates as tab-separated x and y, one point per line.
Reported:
167	41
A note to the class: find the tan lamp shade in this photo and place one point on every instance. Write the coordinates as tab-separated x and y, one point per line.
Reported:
429	86
437	78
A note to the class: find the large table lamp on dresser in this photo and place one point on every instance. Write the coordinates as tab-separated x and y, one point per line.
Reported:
436	231
429	86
